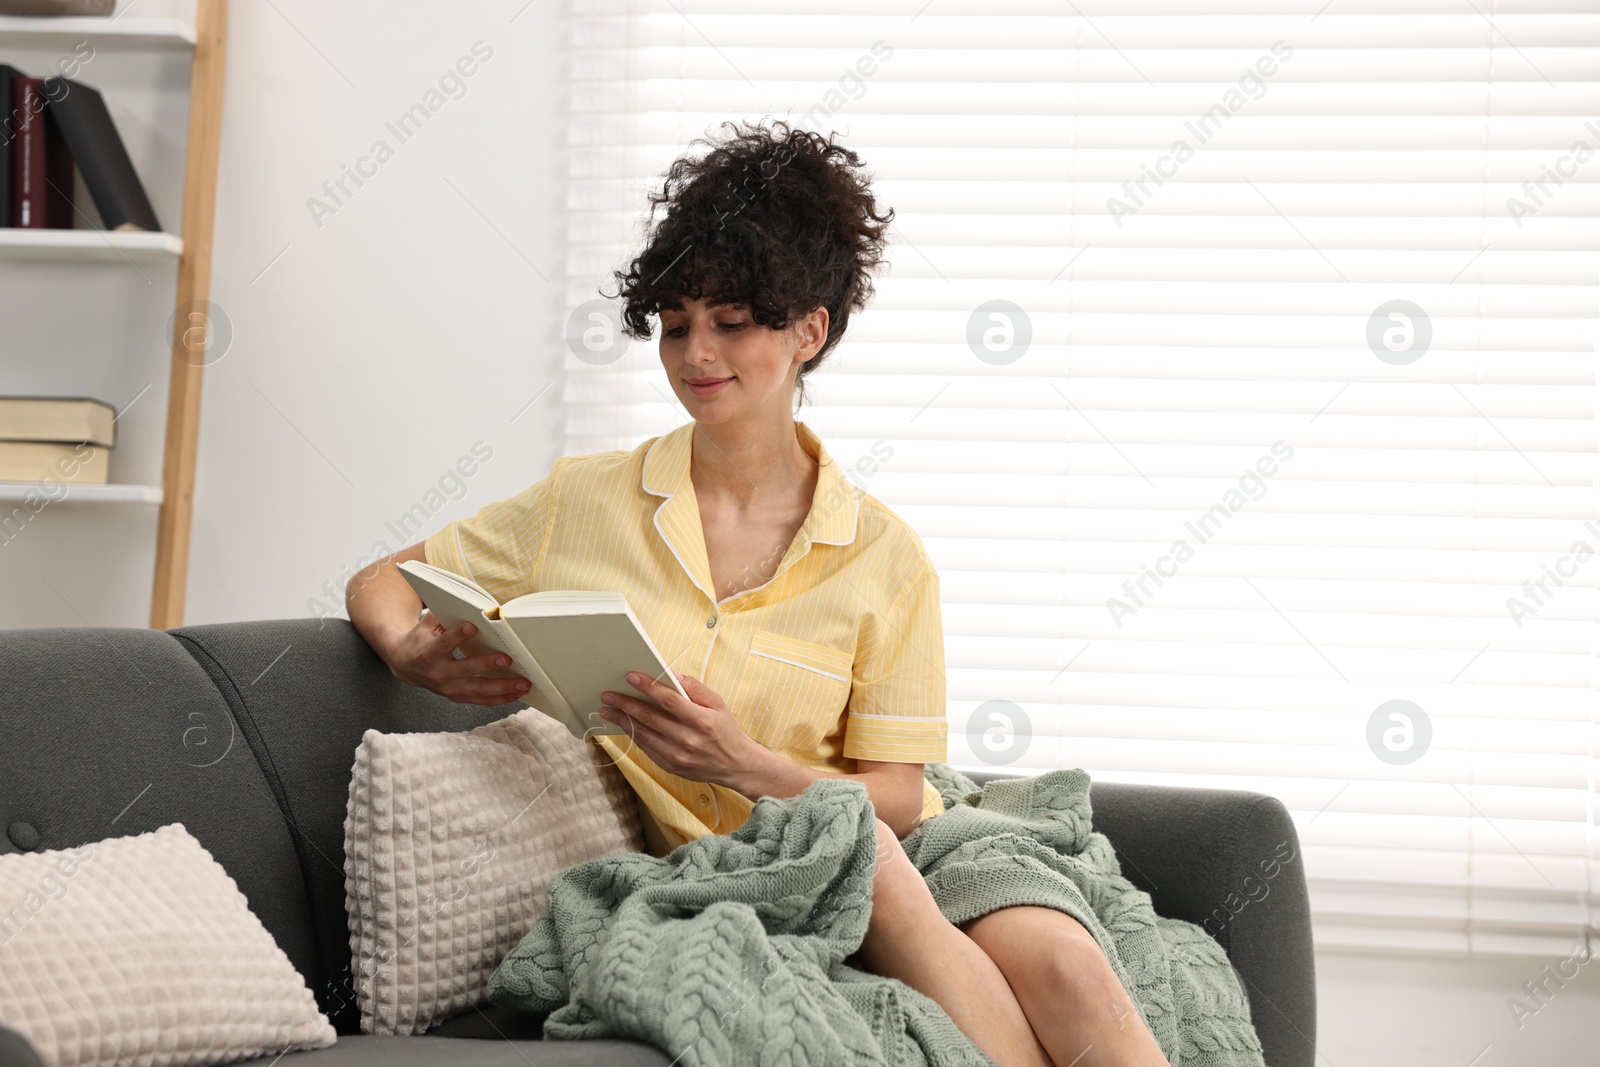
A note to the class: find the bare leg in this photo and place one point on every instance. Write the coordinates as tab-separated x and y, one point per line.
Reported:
1066	987
909	938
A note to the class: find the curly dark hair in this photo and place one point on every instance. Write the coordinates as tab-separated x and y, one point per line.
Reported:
772	217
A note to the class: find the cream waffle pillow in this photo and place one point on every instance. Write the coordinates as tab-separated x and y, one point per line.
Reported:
141	949
451	840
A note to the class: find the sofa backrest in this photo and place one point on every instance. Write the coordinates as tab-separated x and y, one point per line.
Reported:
303	692
244	732
109	733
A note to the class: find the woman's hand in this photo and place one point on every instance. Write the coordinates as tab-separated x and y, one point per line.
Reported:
698	739
424	656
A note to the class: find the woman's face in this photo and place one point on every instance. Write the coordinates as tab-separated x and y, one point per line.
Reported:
725	367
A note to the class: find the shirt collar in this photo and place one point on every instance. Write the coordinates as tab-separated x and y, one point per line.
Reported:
831	520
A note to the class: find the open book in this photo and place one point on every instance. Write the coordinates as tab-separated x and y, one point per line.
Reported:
571	644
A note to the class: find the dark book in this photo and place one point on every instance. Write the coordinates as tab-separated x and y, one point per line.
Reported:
80	113
59	176
27	154
8	137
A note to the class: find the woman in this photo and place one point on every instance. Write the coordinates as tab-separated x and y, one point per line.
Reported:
747	553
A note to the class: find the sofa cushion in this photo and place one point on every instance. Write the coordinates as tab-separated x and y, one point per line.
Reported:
303	693
116	732
141	948
450	845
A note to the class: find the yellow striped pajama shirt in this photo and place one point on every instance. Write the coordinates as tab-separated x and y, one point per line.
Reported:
838	657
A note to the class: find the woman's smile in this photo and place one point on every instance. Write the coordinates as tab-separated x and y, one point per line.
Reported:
706	386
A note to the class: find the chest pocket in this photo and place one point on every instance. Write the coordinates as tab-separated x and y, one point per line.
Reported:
792	692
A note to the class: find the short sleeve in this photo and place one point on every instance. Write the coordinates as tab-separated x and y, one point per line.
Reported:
897	690
501	546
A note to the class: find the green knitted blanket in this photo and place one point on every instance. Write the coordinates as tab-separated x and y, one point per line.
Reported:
730	950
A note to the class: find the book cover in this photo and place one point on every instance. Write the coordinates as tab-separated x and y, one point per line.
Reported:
57	418
73	464
8	136
80	112
27	154
59	174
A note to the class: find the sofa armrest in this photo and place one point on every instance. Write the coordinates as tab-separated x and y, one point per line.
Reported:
1229	862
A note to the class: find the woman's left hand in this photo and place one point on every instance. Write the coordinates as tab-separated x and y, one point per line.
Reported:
698	739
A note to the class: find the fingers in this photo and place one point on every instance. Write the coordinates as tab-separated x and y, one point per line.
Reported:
640	711
468	666
447	641
652	742
661	692
483	690
698	691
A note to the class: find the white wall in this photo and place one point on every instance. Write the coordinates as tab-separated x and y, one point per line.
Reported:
404	328
371	354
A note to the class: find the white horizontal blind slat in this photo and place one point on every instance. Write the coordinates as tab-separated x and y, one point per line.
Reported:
1134	580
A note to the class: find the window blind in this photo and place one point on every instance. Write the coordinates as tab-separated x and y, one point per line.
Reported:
1236	365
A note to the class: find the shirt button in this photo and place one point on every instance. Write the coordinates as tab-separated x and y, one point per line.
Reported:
711	622
704	800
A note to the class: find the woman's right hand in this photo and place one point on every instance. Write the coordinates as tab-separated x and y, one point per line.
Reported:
424	656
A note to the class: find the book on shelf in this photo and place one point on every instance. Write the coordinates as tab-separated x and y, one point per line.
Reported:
58	7
27	153
86	127
60	175
57	418
77	463
65	438
42	173
9	120
52	130
570	644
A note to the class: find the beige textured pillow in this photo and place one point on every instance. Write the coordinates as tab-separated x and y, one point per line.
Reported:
141	949
451	840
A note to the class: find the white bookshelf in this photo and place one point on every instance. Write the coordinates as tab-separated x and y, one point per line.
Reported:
91	313
86	494
89	245
112	34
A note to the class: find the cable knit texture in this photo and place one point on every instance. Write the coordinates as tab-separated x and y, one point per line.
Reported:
731	949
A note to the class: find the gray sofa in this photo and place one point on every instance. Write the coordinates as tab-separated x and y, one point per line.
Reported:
245	732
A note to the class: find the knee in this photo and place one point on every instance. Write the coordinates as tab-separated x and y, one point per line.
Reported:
892	863
1074	963
897	886
1041	948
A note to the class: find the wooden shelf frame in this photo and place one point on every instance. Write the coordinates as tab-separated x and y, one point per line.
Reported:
173	525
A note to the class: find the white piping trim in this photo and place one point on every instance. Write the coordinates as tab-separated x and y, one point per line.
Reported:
901	718
655	521
802	666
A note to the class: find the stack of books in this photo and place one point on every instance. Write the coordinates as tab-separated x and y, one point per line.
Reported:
52	128
65	438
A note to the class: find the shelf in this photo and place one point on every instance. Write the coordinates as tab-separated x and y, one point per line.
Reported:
111	34
88	245
89	494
